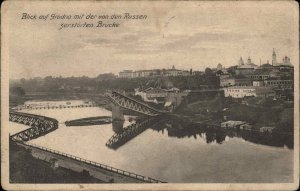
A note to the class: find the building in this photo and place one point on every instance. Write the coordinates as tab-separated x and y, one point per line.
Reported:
154	72
220	70
266	129
243	82
259	75
126	74
266	66
245	68
246	126
248	91
285	60
279	83
258	83
152	94
175	72
231	81
248	64
232	124
219	67
227	82
274	61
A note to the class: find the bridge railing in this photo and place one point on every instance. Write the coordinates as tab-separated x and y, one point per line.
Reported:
19	108
39	125
134	100
106	167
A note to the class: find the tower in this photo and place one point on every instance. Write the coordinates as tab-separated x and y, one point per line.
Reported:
260	62
274	62
241	61
219	66
249	60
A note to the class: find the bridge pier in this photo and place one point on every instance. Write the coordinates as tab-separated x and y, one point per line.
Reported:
117	113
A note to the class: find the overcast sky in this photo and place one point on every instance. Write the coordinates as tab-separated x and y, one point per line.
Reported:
185	34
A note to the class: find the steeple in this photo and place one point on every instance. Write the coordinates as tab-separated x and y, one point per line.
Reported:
241	62
260	62
274	62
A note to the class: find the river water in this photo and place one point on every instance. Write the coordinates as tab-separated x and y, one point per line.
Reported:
159	155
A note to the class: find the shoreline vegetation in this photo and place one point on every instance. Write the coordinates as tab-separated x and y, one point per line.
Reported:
197	108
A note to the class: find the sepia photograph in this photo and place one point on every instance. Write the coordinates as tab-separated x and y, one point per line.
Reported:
150	95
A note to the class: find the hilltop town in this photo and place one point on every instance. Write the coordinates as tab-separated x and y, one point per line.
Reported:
259	94
245	79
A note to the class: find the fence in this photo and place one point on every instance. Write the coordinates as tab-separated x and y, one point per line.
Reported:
106	167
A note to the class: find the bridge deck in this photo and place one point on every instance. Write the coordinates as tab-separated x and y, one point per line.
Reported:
132	104
39	125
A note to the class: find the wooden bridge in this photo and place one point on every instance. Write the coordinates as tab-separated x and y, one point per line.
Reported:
39	125
126	102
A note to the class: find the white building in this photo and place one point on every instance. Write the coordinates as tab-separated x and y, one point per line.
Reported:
258	83
227	82
232	124
154	72
127	74
155	95
248	91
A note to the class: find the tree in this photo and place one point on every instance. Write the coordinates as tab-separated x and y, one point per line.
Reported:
231	70
208	71
18	91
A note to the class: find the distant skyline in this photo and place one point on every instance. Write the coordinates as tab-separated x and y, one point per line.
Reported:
184	34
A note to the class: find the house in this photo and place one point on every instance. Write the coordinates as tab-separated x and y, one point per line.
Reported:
226	82
169	106
232	124
246	126
127	74
248	91
259	83
259	75
279	84
266	129
242	82
155	95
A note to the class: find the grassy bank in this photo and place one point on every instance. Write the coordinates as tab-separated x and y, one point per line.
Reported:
26	169
257	111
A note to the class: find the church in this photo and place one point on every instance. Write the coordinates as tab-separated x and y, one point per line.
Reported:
285	61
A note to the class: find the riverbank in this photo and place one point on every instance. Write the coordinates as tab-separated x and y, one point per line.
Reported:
98	98
255	111
24	168
195	154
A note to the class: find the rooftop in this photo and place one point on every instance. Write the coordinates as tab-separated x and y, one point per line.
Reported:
248	87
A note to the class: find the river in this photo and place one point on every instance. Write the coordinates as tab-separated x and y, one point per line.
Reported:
177	159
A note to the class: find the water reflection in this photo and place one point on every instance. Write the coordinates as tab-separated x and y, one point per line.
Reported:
117	126
218	135
186	129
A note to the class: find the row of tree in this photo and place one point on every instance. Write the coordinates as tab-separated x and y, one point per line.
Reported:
110	81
